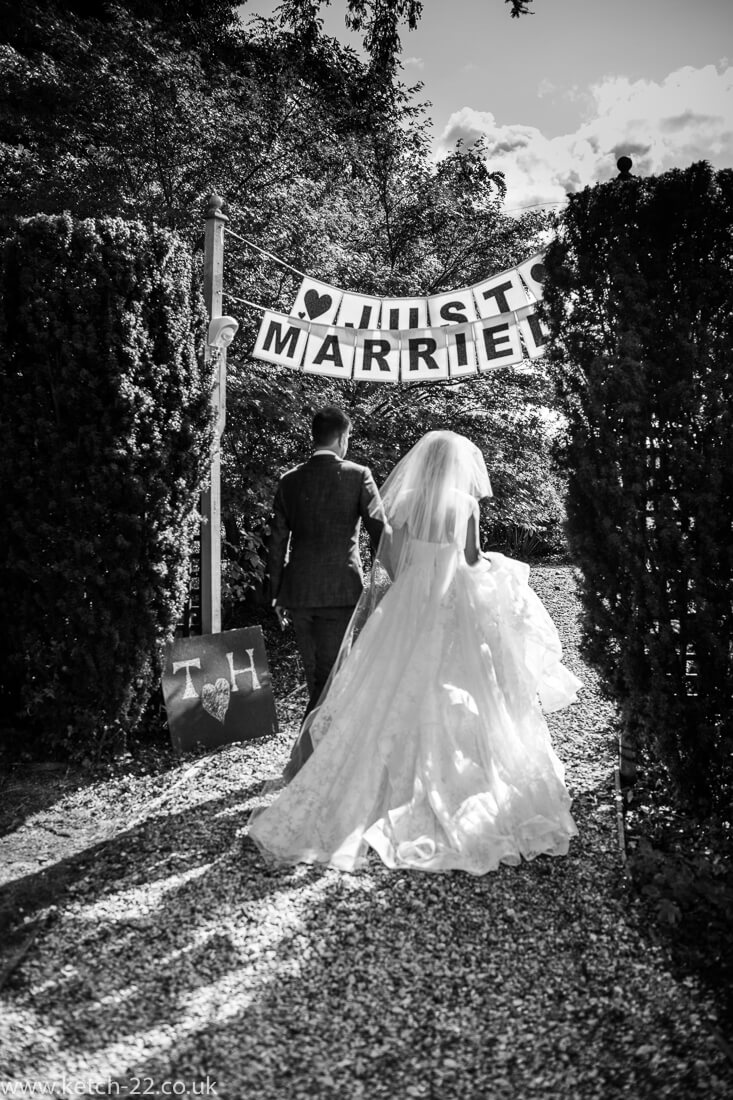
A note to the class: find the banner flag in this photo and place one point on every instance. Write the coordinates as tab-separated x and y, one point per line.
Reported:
500	294
317	302
377	357
497	343
404	313
453	334
533	273
281	340
423	355
454	308
359	311
330	351
534	332
461	350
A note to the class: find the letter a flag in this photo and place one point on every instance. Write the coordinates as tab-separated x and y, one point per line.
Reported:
330	351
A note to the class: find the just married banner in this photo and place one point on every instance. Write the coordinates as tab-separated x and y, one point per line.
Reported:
454	334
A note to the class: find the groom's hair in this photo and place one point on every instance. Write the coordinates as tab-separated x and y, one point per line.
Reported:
328	424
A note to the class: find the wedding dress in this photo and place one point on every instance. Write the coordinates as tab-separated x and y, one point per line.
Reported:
430	744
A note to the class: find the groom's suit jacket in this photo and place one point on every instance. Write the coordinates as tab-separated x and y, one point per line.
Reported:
313	549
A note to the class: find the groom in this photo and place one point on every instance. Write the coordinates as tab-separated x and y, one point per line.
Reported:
313	563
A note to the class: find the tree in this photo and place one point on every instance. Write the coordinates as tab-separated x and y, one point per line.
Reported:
206	23
379	20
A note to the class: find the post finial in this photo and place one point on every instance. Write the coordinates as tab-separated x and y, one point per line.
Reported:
624	167
214	206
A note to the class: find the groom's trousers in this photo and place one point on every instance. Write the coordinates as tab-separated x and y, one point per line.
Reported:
319	632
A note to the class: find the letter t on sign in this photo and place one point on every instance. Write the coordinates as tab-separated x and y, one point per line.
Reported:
195	662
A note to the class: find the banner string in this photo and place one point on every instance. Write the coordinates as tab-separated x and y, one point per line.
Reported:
269	255
244	301
534	205
302	275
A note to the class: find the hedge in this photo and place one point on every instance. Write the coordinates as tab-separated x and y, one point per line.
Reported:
639	299
106	429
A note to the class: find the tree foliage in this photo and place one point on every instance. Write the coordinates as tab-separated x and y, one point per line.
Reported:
378	20
394	224
106	425
137	110
640	302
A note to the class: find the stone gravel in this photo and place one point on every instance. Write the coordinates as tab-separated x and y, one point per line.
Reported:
173	961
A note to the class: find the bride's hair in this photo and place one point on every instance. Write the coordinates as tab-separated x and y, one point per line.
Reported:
433	488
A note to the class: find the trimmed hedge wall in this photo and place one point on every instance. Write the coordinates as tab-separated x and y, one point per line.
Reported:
639	299
106	436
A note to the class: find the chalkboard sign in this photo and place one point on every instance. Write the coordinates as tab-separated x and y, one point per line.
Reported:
217	689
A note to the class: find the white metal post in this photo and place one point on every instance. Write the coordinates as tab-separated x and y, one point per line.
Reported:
211	498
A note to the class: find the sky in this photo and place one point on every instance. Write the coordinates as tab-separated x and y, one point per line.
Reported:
561	94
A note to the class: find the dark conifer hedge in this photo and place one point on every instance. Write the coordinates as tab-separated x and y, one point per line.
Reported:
640	304
106	436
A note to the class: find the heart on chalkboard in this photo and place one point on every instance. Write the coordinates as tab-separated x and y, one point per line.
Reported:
316	303
215	699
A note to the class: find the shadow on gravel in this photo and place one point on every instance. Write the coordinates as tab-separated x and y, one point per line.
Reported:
389	984
144	854
27	789
303	982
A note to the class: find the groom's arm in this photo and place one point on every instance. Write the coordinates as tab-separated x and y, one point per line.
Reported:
371	509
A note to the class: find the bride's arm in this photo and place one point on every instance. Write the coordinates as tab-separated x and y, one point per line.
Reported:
472	550
390	549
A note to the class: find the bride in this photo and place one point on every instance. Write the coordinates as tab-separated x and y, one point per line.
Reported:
430	745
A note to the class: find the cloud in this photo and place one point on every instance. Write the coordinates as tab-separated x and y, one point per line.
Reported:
545	87
415	62
686	117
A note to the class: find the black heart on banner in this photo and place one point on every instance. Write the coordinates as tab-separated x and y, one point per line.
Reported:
316	303
537	272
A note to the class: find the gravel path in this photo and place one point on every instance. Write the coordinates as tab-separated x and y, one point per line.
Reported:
174	962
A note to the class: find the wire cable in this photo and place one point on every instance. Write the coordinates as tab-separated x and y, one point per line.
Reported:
269	255
244	301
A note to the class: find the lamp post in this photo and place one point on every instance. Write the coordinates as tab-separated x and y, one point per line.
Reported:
211	497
